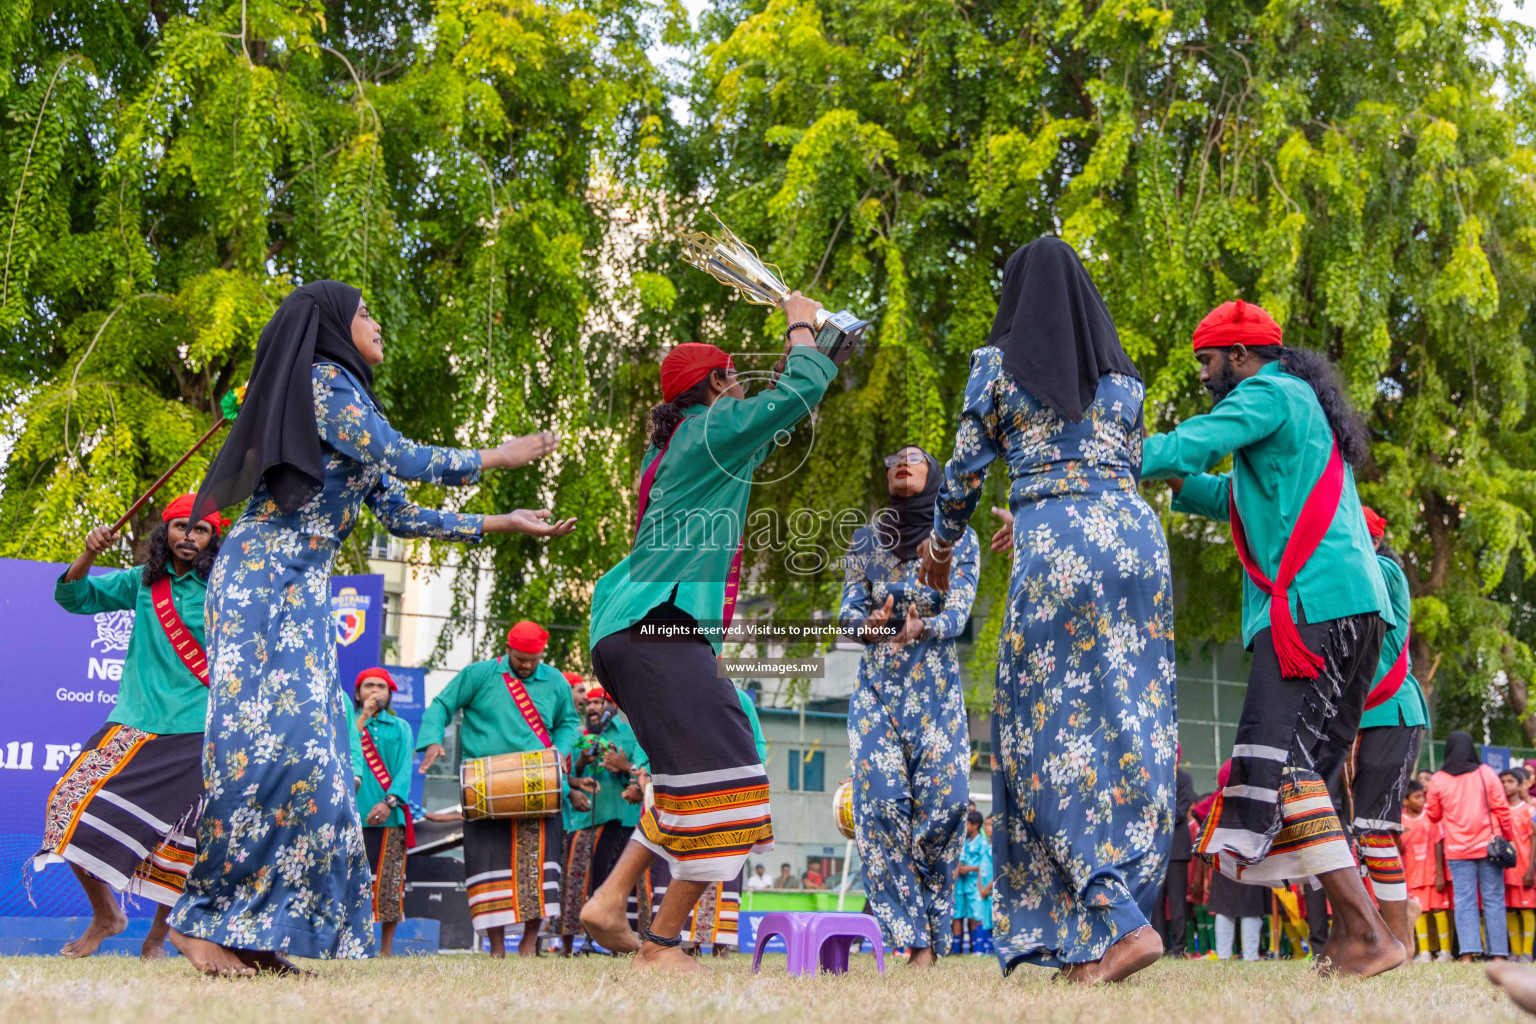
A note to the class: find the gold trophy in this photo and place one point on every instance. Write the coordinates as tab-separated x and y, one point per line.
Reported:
731	261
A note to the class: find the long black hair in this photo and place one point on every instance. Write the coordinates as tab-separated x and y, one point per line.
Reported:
1315	368
157	567
666	416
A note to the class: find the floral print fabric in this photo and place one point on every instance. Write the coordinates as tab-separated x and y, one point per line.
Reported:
1084	729
908	742
280	858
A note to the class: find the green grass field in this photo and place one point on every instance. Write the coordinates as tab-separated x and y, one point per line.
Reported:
453	989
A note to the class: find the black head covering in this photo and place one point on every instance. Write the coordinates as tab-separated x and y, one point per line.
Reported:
275	437
904	522
1054	329
1460	754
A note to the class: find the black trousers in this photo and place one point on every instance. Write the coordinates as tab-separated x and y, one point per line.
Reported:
1173	923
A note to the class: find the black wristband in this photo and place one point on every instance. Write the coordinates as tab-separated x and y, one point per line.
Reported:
649	936
792	328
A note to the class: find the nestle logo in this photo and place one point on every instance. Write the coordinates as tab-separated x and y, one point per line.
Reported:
105	668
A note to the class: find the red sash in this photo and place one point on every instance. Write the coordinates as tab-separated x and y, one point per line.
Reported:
524	704
1317	512
181	638
733	578
1391	682
381	774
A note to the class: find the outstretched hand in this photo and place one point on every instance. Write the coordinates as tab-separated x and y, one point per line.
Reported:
874	622
1002	540
520	450
431	754
534	523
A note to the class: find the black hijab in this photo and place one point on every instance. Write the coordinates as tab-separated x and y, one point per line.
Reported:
904	522
1460	756
275	437
1054	329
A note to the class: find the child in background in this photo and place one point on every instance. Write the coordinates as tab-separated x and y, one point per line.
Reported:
983	937
1424	866
975	854
1520	880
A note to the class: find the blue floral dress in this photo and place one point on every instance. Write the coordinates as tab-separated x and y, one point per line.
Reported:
908	742
280	861
1084	730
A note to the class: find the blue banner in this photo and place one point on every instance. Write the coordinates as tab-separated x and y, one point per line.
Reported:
58	683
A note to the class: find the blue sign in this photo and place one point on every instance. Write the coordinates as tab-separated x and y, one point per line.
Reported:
1496	758
58	683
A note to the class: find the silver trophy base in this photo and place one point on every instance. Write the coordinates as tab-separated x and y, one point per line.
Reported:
838	334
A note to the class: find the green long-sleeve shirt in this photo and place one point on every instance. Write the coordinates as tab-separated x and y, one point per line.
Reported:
693	524
492	723
608	803
1407	707
157	692
1280	442
391	734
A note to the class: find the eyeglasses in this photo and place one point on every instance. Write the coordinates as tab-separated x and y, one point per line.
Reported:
910	458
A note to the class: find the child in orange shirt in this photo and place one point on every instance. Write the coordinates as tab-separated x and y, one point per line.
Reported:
1520	880
1424	868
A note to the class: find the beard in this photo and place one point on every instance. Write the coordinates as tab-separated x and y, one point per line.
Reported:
1222	384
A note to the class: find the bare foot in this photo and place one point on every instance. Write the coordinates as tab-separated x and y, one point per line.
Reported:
922	957
1364	957
670	959
102	926
266	962
608	926
1090	973
1519	983
153	949
528	945
210	957
1132	953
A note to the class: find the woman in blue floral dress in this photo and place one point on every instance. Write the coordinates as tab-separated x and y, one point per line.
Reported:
1083	724
906	723
280	867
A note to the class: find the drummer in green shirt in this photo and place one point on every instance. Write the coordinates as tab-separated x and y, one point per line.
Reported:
1315	611
124	813
514	704
381	760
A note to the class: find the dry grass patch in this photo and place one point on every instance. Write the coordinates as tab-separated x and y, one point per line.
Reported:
474	990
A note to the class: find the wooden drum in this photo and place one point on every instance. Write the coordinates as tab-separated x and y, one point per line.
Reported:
511	785
842	809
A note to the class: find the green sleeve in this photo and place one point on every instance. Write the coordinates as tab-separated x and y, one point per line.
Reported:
108	592
567	726
400	771
1254	409
1207	494
438	714
355	739
750	710
745	426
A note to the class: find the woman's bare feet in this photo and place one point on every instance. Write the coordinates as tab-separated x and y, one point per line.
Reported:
105	923
210	957
671	959
607	925
922	956
266	962
1518	982
1130	953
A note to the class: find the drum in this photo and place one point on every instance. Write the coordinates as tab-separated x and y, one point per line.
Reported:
842	809
511	785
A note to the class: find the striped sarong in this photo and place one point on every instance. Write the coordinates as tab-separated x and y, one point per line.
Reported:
512	870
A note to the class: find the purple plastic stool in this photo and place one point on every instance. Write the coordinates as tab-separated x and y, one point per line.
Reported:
832	935
794	928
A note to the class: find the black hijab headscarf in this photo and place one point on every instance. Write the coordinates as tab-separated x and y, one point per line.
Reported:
1054	329
904	522
1460	755
275	437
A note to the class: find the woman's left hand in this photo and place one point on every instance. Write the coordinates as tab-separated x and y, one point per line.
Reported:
933	572
1002	540
378	814
533	523
911	629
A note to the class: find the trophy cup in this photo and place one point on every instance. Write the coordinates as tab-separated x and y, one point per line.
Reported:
731	261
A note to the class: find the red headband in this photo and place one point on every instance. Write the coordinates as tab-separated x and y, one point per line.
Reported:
687	364
598	693
181	508
527	638
375	673
1237	323
1373	522
575	679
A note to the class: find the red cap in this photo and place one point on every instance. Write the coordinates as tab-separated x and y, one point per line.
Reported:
575	678
1237	323
598	693
689	363
1374	522
528	637
375	673
181	508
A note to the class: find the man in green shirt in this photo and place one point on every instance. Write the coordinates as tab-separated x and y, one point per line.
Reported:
124	812
514	704
605	807
1315	611
1391	732
381	760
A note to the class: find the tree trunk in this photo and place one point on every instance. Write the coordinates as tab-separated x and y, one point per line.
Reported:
1520	698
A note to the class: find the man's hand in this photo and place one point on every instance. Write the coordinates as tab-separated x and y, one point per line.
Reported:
1529	880
1002	540
580	801
876	620
799	309
96	542
1439	882
444	816
632	793
378	814
1175	484
585	785
430	755
615	760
